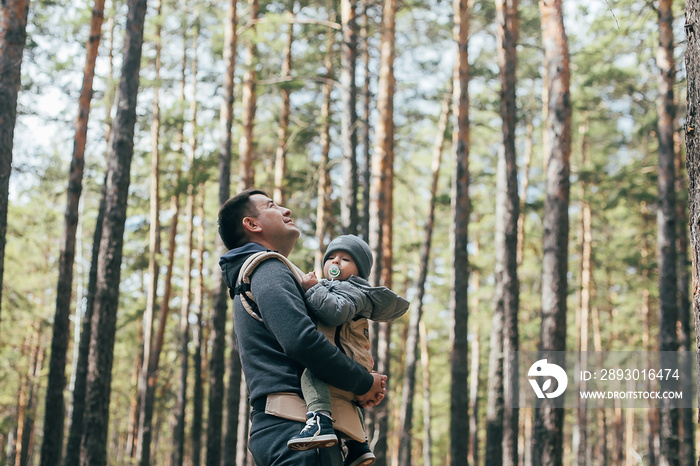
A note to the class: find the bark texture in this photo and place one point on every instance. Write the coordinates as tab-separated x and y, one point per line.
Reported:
459	305
13	35
54	414
548	428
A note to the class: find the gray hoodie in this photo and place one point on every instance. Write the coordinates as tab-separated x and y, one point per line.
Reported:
275	352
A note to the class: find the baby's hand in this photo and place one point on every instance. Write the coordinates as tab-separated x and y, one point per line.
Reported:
309	280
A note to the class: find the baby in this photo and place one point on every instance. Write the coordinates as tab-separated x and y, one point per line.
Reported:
345	300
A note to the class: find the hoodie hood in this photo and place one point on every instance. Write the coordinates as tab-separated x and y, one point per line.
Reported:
233	260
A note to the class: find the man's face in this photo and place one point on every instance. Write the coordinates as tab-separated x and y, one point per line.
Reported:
275	222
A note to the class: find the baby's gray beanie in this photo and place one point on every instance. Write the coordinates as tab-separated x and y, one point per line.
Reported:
358	250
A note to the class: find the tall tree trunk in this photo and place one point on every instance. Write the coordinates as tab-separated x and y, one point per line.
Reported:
366	103
474	400
459	304
220	298
94	440
666	224
27	414
54	414
148	376
13	35
507	284
323	209
243	413
506	290
348	56
692	143
75	433
685	335
651	418
180	407
381	215
135	405
81	336
549	421
197	339
494	406
412	340
246	150
283	129
527	156
427	410
586	274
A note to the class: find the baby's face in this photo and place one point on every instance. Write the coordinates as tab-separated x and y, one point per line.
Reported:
339	261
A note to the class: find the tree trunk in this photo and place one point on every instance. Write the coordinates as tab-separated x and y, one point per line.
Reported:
548	435
27	413
685	335
666	224
586	274
412	340
283	129
507	284
427	410
94	440
179	414
474	400
323	208
148	375
243	412
692	143
366	102
197	339
523	197
504	338
246	172
153	366
348	205
75	433
381	215
220	298
494	403
13	35
651	416
54	414
135	405
459	304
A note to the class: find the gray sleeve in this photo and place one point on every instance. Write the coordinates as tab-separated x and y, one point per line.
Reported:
335	303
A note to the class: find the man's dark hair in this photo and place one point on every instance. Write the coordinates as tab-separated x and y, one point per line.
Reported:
231	217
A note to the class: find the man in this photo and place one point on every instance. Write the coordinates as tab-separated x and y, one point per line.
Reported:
276	348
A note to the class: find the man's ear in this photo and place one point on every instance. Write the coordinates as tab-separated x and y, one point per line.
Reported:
250	224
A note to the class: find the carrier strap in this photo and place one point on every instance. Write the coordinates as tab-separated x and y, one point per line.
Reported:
242	287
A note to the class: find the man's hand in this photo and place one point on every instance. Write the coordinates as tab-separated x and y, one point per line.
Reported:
375	395
309	280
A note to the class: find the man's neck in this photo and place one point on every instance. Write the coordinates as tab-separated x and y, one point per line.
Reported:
267	245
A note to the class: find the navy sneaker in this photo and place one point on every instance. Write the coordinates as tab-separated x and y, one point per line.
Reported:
359	454
318	433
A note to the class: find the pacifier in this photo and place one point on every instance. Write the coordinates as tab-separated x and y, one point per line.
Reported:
334	271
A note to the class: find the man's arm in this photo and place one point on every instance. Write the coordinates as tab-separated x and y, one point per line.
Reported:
283	311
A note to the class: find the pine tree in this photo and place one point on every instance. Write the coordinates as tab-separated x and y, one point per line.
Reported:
94	440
